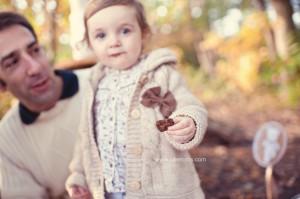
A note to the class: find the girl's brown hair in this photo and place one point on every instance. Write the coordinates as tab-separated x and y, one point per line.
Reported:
94	6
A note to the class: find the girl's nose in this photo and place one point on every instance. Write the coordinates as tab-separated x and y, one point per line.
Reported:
114	41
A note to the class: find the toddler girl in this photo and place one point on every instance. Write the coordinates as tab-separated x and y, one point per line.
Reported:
121	152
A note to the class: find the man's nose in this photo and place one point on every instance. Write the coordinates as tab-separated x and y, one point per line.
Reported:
33	66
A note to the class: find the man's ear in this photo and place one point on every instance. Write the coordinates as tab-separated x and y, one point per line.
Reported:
2	86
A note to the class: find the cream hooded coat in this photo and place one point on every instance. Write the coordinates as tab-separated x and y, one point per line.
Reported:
157	167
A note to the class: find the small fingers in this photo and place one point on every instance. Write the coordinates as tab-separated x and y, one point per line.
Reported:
180	132
182	139
79	193
179	124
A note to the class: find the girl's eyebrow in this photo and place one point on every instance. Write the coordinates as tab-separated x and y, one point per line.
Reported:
98	30
126	24
119	26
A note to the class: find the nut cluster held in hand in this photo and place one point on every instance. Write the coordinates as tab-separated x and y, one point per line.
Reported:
163	125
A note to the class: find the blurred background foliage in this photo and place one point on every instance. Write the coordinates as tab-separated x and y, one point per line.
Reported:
245	47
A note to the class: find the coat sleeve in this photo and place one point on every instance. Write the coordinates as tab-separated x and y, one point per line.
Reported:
18	183
187	105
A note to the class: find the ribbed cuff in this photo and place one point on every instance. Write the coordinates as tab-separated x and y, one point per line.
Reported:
200	119
75	179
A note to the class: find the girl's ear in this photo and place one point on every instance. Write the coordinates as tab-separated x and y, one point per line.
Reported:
2	86
146	37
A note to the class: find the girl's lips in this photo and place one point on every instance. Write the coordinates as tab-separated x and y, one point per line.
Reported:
116	54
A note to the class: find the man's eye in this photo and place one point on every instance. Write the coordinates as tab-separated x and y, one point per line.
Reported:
126	31
100	35
11	63
35	51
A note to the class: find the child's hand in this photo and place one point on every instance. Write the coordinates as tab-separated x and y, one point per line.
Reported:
78	192
183	130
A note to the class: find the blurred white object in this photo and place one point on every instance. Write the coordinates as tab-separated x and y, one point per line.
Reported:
269	144
80	49
296	196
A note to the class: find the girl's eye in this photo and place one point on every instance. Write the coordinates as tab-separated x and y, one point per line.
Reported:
100	35
126	31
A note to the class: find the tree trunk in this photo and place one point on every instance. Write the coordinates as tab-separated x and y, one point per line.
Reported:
53	31
284	26
49	34
268	33
205	57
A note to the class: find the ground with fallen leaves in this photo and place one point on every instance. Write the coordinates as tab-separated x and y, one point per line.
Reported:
228	170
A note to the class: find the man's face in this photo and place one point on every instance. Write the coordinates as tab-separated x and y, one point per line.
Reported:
24	68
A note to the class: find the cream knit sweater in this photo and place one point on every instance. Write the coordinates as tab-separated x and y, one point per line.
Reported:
34	158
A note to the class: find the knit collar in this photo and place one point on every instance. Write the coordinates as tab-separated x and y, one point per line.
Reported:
70	88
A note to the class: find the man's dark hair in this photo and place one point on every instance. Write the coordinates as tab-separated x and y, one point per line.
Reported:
8	19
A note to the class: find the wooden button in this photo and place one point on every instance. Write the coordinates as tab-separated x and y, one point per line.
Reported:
143	80
134	185
136	150
135	114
